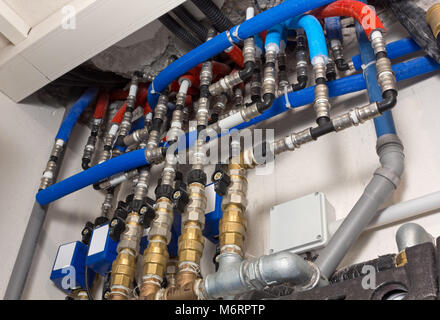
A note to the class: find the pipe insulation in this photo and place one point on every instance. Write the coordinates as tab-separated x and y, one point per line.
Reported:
75	112
396	49
127	161
403	71
248	28
385	123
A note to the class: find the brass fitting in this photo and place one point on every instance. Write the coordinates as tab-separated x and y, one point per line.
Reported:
80	294
232	226
401	259
123	272
433	18
187	288
156	255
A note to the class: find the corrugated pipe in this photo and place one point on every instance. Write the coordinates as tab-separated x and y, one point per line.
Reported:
214	14
174	27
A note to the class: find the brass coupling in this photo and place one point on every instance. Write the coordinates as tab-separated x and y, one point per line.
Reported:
156	255
232	226
191	241
433	18
187	288
123	273
401	259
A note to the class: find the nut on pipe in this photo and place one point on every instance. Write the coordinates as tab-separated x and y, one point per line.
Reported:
123	273
433	18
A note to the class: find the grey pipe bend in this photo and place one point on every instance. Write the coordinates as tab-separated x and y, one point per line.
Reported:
236	276
384	182
410	235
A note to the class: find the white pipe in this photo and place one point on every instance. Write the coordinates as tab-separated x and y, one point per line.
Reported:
399	212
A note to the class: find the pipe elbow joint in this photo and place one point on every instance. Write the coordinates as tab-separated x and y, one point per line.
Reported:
342	65
390	150
389	102
248	71
267	102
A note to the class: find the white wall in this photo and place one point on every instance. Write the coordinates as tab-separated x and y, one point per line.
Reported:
340	165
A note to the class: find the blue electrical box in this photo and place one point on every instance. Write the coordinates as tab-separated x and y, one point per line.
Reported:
102	250
68	271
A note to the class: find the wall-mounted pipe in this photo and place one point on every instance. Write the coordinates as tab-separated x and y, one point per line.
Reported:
410	235
384	182
399	212
396	49
259	23
385	123
403	71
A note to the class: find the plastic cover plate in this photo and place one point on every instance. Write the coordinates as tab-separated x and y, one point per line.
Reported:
300	225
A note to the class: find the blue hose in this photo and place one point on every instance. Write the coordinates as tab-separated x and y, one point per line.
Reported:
72	117
135	159
385	123
333	28
314	33
259	23
395	50
125	162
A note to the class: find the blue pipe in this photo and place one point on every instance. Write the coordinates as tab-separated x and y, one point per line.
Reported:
125	162
249	28
273	37
346	85
135	159
395	50
314	33
385	123
72	117
333	28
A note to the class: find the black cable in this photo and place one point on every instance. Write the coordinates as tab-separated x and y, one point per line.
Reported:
214	14
186	17
86	281
179	31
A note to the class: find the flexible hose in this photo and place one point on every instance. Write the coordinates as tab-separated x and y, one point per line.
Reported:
178	30
214	14
199	29
74	114
351	8
248	28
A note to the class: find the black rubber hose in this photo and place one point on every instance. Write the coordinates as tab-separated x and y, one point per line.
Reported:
179	31
214	14
199	29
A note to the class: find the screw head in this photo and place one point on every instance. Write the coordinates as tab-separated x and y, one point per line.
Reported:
176	195
143	210
218	176
85	231
106	295
114	223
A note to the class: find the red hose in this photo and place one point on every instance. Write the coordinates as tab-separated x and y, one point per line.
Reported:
101	105
363	13
236	55
140	100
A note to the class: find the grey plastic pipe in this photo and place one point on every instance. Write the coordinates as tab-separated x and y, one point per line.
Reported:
398	212
25	255
384	182
410	235
236	276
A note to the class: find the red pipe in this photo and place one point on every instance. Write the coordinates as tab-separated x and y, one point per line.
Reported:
101	105
140	100
363	13
236	55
